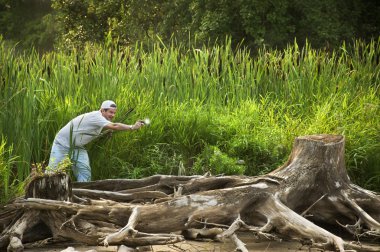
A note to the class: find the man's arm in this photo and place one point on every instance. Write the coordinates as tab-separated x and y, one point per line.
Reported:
122	126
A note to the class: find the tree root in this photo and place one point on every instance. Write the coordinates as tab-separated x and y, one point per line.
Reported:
15	233
312	185
372	224
288	222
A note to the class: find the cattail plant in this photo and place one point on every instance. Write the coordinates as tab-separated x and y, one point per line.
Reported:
249	106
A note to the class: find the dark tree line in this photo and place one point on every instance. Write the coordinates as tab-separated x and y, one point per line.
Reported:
66	23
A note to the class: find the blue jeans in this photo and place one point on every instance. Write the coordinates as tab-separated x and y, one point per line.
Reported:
79	158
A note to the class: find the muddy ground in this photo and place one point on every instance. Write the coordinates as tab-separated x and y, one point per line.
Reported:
191	246
194	246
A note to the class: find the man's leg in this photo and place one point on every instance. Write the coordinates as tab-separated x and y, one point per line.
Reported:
81	165
57	154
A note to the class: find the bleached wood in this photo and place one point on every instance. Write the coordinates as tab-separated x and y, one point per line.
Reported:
291	202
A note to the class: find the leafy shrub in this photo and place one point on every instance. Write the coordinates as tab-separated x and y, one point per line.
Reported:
214	161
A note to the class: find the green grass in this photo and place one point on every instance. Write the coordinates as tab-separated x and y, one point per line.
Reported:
213	109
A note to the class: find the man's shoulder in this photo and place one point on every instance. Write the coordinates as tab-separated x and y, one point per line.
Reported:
88	114
94	113
96	116
88	117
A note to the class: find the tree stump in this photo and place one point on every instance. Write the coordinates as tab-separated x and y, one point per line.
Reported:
310	199
54	187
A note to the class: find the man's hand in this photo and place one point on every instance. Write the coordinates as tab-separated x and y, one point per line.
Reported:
138	125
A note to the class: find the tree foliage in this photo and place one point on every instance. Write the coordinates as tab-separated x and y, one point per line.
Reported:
271	23
27	22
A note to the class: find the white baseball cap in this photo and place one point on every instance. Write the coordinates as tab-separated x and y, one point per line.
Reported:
108	104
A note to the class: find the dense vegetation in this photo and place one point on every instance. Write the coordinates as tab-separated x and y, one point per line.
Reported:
214	109
228	106
71	23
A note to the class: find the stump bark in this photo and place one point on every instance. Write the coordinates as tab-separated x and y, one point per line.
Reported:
57	187
310	198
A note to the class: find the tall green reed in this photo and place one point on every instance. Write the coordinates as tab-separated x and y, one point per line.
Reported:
202	101
8	185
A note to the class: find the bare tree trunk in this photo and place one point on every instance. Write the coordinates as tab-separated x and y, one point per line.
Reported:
310	199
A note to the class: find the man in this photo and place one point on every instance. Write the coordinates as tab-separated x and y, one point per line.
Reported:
71	139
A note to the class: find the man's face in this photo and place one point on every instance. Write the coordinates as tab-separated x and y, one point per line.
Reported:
109	114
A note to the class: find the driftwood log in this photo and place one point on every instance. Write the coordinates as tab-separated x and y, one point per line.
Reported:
310	199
